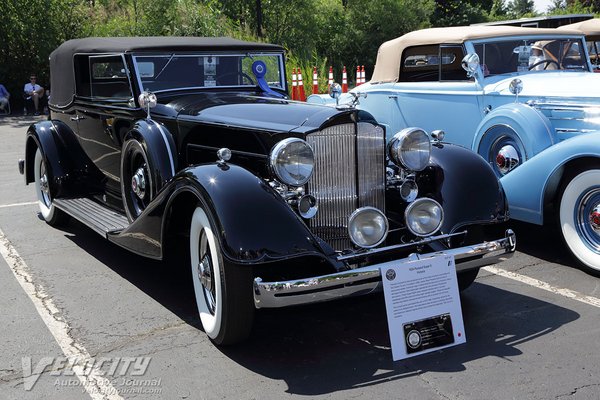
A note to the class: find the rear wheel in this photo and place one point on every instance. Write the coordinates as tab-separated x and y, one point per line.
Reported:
223	291
49	212
579	217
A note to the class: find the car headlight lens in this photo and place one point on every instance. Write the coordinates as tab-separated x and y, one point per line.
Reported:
367	227
424	217
292	161
410	148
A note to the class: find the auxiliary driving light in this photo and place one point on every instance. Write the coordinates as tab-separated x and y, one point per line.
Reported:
367	227
424	217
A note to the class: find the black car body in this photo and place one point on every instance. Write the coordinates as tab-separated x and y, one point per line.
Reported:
163	144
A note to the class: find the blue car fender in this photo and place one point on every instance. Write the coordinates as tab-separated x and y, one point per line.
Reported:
533	131
535	182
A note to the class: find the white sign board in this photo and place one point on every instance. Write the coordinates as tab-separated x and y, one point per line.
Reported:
423	306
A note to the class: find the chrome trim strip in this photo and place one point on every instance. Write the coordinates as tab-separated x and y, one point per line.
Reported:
368	279
164	136
379	250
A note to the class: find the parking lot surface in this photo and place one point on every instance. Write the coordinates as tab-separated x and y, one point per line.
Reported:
531	324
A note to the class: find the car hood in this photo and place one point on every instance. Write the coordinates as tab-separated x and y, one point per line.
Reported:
583	86
252	111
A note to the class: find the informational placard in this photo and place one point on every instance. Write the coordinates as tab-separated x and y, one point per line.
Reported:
423	306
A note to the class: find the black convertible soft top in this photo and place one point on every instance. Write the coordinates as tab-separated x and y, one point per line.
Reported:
62	75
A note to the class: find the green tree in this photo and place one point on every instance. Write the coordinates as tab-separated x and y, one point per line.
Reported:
521	8
456	13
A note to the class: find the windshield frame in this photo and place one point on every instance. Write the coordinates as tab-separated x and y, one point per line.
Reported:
251	54
580	40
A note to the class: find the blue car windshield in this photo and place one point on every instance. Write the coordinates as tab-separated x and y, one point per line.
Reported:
180	71
540	54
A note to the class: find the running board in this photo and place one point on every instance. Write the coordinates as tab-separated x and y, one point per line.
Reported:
101	219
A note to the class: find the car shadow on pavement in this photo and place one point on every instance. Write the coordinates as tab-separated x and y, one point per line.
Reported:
341	345
328	347
543	242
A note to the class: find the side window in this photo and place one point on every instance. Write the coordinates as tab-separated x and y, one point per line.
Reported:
432	63
450	66
109	79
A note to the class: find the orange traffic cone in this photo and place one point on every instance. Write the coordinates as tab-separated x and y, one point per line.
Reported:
344	81
358	81
330	79
301	94
294	85
315	81
363	79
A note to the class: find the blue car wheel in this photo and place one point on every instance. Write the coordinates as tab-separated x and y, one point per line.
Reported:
580	217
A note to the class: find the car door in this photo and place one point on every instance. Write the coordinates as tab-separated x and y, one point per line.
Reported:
103	122
434	92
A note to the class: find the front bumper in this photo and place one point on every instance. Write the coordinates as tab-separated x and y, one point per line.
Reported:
368	279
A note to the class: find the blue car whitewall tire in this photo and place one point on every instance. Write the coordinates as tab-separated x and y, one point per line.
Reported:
580	217
223	292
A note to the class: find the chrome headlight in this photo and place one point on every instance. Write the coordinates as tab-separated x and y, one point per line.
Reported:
424	217
410	148
292	161
367	227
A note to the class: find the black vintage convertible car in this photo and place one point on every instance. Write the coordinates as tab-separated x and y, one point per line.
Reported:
160	144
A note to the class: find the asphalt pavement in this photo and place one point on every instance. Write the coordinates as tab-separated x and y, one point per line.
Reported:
531	324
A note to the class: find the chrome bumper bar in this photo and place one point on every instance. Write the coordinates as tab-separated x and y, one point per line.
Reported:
368	279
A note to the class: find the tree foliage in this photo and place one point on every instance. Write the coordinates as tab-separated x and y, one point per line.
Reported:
316	32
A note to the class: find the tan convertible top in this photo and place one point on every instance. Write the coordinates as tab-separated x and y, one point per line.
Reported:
589	27
387	66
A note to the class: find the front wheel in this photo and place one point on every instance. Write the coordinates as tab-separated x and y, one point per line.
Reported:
223	291
580	217
49	212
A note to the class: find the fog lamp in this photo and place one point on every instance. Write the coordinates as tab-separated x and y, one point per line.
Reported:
367	227
424	217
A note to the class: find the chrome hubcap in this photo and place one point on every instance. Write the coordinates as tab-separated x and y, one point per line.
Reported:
587	214
138	183
205	273
595	218
44	187
507	159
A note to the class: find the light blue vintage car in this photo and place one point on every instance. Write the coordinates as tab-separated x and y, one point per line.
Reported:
525	99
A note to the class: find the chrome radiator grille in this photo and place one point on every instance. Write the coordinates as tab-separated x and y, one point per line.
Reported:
349	173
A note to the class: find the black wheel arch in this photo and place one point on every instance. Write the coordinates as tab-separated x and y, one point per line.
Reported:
71	172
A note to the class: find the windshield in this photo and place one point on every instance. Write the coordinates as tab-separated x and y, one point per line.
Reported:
545	54
179	71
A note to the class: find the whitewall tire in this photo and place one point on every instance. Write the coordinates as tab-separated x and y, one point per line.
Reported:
48	211
580	217
223	292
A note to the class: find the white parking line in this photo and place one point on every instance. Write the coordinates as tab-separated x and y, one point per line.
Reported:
95	384
571	294
29	203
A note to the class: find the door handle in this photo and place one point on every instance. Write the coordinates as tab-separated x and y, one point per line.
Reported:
77	118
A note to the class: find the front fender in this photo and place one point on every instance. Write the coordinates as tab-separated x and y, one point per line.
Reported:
71	172
254	223
466	187
532	128
529	185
